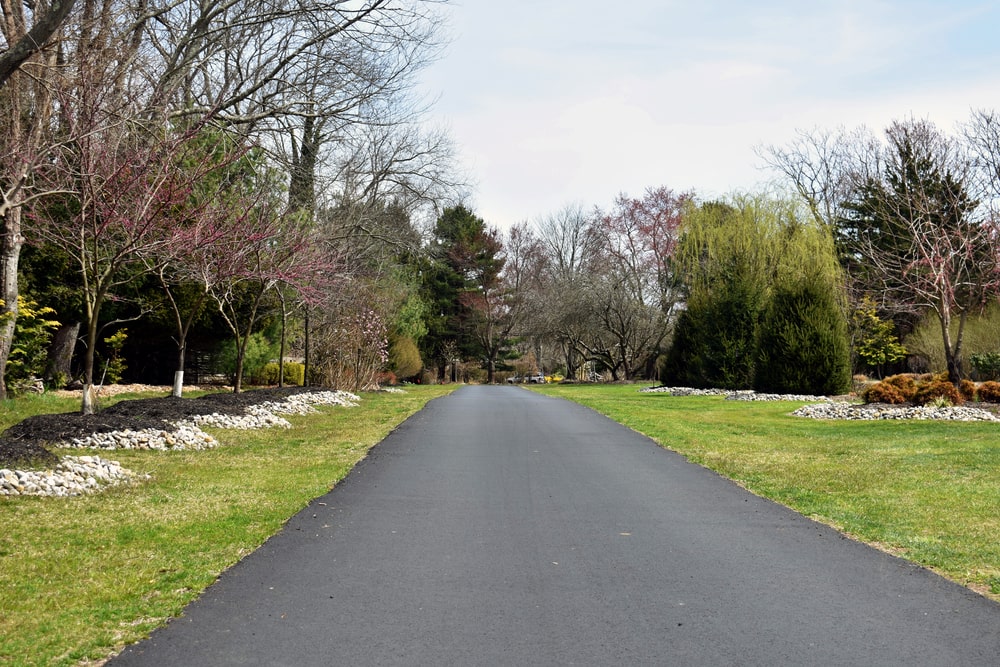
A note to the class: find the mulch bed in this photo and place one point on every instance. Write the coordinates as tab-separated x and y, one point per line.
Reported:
27	444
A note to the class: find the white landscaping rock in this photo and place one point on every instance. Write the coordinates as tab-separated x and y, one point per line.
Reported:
731	394
73	476
857	412
84	474
686	391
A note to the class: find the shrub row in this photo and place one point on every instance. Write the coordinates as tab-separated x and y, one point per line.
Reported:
926	389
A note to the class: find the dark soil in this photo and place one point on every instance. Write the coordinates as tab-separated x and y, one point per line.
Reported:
26	445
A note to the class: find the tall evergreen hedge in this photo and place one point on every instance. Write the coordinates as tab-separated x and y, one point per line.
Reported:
803	346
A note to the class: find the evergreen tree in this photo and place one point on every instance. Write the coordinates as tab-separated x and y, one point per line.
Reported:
464	261
685	360
917	189
803	344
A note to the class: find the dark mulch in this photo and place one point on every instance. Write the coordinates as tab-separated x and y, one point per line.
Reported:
26	444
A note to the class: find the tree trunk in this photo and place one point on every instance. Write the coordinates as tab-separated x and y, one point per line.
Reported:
178	388
571	365
953	352
281	346
950	355
241	348
60	364
10	252
87	405
305	363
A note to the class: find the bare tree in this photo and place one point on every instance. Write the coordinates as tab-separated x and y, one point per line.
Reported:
818	165
500	304
22	42
565	306
920	234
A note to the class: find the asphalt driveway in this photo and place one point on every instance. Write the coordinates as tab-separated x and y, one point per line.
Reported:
501	527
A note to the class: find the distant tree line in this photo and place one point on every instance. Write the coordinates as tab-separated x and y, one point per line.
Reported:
246	188
867	241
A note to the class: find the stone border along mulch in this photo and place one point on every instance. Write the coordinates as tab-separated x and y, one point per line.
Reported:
731	395
829	408
75	475
852	411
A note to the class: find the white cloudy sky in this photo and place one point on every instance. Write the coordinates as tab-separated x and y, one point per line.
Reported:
560	102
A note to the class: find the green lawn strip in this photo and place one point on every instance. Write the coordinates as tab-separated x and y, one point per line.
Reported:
928	491
81	577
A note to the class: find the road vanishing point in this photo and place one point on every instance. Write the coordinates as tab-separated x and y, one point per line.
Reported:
498	526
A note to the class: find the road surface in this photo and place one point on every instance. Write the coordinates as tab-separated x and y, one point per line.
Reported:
501	527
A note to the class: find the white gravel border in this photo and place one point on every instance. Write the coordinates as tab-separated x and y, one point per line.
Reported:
828	408
76	475
73	476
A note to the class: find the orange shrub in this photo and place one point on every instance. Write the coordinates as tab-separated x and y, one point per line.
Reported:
905	384
967	388
989	392
883	392
927	393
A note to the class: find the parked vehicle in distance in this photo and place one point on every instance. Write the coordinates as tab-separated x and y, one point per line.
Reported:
534	378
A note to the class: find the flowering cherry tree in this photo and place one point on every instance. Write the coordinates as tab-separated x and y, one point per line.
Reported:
123	190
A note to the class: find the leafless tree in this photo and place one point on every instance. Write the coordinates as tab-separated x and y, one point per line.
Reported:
914	212
565	310
824	167
27	68
26	29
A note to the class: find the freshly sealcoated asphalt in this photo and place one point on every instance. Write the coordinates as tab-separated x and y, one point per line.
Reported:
501	527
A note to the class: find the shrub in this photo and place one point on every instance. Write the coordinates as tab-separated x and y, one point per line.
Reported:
259	351
803	346
115	366
905	384
928	393
989	392
295	374
404	357
986	364
32	333
882	392
967	388
875	343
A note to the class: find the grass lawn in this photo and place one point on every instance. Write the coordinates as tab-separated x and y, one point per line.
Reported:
81	577
927	491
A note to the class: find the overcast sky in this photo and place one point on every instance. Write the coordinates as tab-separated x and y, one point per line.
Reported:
560	102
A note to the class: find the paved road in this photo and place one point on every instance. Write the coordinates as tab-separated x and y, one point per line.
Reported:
500	527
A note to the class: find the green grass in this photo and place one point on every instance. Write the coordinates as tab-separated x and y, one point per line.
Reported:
927	491
81	577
